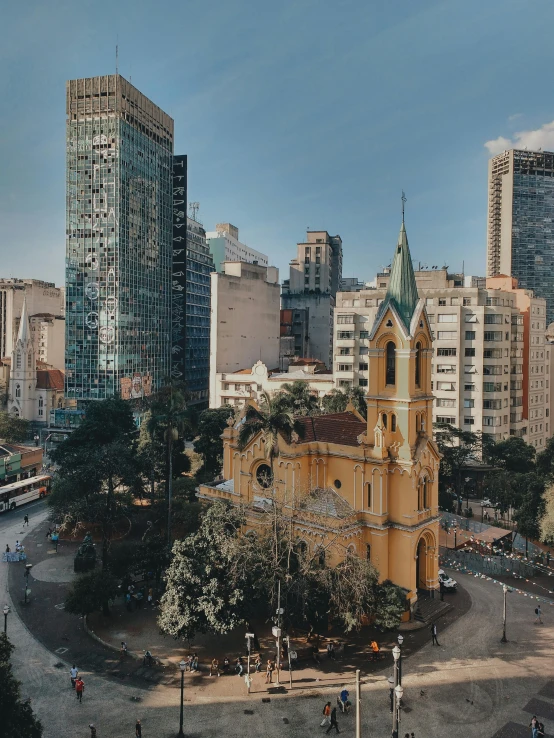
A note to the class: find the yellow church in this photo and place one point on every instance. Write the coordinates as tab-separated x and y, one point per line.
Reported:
373	483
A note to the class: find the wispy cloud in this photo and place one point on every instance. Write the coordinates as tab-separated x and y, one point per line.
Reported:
540	138
515	116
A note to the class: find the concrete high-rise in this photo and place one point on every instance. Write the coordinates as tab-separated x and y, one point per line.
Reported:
520	230
315	278
119	240
225	246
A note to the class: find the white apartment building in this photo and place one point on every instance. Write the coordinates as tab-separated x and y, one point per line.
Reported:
225	246
236	388
41	297
491	367
48	336
245	319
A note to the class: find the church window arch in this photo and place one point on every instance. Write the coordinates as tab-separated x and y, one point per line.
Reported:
41	401
390	357
368	494
385	420
18	390
393	423
368	552
418	364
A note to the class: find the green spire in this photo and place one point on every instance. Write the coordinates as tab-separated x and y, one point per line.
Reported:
402	289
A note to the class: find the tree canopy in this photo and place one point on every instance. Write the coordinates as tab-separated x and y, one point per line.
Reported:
337	400
16	715
13	429
209	443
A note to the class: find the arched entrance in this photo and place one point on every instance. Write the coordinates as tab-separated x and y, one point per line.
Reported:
426	573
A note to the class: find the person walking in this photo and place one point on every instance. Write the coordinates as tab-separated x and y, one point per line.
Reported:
538	613
258	664
195	662
239	667
138	729
79	688
92	731
150	596
26	520
7	548
331	650
269	672
214	667
343	700
434	634
326	715
74	671
333	723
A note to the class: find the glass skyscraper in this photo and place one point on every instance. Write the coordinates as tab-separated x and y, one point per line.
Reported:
118	240
199	266
520	236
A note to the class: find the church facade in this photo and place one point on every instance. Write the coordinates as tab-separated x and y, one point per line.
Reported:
367	486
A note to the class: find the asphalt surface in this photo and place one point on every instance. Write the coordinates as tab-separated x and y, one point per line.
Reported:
472	685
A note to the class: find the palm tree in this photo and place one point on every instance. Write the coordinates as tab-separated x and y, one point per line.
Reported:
300	398
168	418
271	419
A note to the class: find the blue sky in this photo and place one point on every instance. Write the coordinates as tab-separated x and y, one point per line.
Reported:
294	114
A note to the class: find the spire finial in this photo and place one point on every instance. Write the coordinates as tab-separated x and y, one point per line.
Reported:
403	198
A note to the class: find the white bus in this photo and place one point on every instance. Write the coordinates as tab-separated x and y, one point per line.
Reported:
18	493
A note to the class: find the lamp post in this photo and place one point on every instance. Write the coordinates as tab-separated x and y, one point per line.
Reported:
287	639
249	636
398	694
400	640
396	656
182	667
28	568
6	611
358	706
504	639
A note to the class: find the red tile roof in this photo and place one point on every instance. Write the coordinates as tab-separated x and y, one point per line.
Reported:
50	379
341	428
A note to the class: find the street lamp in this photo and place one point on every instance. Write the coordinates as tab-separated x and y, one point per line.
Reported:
505	589
28	568
249	636
182	667
398	694
400	640
396	656
6	611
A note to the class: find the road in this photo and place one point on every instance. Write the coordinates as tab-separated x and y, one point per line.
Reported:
7	519
470	686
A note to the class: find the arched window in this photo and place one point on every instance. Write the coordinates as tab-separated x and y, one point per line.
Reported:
41	401
393	423
417	423
391	363
18	390
420	495
368	552
418	364
368	495
384	419
426	494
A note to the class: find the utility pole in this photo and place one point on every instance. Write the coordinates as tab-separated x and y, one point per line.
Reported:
358	706
278	629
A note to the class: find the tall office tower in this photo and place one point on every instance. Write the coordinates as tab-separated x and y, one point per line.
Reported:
315	278
520	230
119	237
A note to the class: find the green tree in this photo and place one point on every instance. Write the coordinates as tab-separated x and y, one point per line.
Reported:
458	449
13	429
97	470
299	399
90	592
512	454
209	443
531	507
545	461
203	593
390	605
336	401
270	419
16	715
546	524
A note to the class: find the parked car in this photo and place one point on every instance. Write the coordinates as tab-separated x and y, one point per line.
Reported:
447	582
487	503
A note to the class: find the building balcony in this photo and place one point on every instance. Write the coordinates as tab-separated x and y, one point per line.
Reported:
345	342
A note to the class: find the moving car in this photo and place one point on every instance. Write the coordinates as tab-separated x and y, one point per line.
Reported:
447	582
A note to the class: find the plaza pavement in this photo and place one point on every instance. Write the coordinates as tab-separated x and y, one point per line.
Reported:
472	685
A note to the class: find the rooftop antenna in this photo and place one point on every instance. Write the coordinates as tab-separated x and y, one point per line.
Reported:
404	200
194	207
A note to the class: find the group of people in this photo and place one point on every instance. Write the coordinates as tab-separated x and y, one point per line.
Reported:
76	682
134	597
537	728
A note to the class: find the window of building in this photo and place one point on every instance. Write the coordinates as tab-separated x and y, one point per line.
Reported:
362	382
469	403
345	352
418	365
467	301
344	367
18	390
447	335
384	419
469	387
493	319
363	367
470	369
468	420
470	335
492	404
446	386
393	423
364	334
368	547
471	318
493	336
469	352
446	369
41	401
18	360
446	420
442	302
489	369
492	353
363	350
390	363
342	319
343	335
447	318
447	351
446	402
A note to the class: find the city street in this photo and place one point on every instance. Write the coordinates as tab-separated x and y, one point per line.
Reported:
471	685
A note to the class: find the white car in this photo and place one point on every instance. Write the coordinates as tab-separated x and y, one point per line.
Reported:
447	582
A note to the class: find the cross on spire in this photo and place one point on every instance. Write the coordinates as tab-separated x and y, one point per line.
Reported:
403	198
